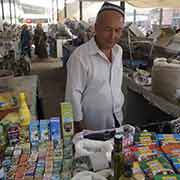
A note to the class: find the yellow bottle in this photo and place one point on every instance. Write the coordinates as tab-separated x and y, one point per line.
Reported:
24	113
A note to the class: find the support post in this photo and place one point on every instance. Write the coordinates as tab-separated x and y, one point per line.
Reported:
10	11
2	9
160	17
81	10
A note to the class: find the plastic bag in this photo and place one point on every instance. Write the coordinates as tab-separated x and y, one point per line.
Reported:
88	175
86	147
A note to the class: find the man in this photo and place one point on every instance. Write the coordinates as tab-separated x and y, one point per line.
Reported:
26	40
94	74
40	39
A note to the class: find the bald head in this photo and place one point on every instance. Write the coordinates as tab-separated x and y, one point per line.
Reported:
108	28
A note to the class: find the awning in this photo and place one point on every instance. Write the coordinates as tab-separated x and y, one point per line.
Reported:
154	3
150	3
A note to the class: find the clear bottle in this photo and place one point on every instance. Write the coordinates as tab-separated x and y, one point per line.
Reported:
117	157
24	113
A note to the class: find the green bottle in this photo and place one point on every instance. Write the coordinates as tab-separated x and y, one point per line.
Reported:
117	157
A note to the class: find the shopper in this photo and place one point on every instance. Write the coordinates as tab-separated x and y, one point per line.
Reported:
94	74
26	40
40	42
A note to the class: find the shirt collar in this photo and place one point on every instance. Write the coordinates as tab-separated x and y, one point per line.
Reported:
93	48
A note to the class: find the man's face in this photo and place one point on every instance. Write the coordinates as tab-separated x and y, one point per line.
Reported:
108	29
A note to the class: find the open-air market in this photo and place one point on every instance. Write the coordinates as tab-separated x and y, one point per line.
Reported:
89	90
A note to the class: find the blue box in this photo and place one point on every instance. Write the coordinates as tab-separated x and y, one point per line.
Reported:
34	132
55	128
44	130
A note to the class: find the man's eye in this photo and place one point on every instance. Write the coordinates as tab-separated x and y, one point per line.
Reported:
108	29
118	30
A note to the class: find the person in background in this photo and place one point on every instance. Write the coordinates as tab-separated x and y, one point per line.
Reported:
177	30
26	41
40	39
94	74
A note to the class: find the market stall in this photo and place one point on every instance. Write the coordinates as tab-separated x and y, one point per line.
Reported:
151	108
11	57
28	84
50	151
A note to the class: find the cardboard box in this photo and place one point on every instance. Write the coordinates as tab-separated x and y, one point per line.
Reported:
34	132
44	130
55	129
67	120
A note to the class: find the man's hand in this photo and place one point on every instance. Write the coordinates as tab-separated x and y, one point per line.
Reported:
79	126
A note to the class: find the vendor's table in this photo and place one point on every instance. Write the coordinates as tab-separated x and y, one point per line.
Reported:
142	106
29	85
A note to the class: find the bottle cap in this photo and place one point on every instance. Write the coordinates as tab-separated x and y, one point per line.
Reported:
22	96
118	138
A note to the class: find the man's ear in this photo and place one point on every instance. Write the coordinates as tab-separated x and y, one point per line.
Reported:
95	27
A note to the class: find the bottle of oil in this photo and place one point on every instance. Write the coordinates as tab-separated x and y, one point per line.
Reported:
117	157
24	113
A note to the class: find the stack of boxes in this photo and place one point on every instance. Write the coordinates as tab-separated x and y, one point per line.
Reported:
67	134
47	155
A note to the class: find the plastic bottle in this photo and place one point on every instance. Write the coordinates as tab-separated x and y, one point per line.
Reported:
117	157
24	113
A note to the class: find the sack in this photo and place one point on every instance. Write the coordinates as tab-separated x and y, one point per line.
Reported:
166	79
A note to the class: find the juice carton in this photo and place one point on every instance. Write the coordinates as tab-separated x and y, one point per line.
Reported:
176	163
34	132
145	139
55	129
167	177
67	120
156	166
171	150
146	152
44	130
13	134
137	172
168	138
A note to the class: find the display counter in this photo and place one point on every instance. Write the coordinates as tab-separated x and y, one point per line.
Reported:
28	85
142	106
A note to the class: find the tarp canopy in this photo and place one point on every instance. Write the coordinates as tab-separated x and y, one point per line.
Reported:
155	3
150	3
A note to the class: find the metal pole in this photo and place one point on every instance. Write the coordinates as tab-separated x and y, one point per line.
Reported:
2	9
52	11
14	3
134	18
65	9
160	17
122	4
57	9
10	11
81	10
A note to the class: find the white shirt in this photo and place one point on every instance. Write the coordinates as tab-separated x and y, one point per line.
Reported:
94	86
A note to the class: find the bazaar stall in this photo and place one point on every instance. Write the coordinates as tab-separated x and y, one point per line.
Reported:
47	149
11	57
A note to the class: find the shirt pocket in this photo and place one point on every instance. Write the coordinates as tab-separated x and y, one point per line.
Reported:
98	75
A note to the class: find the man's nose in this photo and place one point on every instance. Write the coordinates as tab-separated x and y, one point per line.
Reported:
113	34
